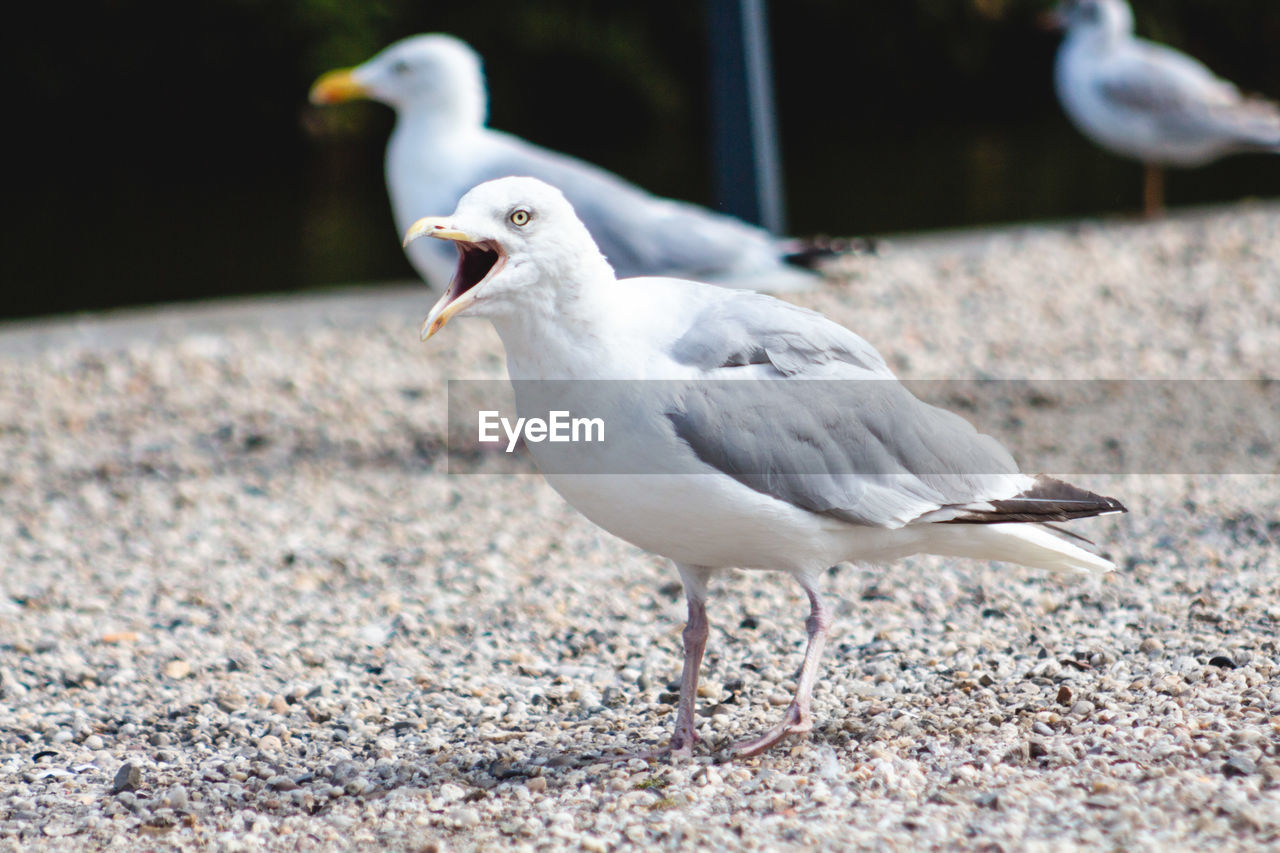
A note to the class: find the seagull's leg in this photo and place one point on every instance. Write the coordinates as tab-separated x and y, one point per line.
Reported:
1152	190
798	718
695	642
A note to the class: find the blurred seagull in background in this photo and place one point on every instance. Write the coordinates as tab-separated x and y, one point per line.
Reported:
773	471
440	148
1143	100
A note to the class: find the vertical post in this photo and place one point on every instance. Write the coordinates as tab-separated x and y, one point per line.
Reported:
748	179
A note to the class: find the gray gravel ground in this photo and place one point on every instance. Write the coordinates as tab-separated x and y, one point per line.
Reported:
244	607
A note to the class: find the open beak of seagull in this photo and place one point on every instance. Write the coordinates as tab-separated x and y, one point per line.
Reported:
478	261
334	87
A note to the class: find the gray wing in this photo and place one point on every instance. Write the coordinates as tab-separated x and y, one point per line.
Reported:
1184	97
743	329
832	432
640	233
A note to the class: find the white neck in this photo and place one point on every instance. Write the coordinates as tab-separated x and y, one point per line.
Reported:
555	333
1115	28
1096	38
463	115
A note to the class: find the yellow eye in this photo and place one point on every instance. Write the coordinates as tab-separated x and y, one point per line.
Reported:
519	216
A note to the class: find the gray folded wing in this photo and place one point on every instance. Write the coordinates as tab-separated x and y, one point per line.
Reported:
1186	98
831	431
740	329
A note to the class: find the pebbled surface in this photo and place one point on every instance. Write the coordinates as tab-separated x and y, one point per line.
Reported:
243	606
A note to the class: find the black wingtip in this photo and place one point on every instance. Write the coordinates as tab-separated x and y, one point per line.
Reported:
1051	489
812	252
1049	499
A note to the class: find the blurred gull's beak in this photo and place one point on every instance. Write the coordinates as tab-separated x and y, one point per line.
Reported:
334	87
478	260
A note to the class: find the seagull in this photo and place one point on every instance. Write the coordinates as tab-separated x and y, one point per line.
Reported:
745	433
1149	102
441	147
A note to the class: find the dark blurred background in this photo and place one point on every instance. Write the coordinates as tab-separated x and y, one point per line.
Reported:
166	150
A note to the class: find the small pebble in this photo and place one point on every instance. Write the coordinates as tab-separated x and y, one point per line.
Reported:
449	792
465	818
1239	765
281	783
357	786
127	778
175	797
177	669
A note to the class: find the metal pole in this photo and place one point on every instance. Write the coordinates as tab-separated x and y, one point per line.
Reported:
748	178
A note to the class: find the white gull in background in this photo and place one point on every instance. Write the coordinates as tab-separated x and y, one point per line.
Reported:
440	148
1143	100
785	474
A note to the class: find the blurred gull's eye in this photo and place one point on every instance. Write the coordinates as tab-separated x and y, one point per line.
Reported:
400	67
519	216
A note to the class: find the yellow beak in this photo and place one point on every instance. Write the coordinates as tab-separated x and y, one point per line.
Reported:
442	229
434	226
334	87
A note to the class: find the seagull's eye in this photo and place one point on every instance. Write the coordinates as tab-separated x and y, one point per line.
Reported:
400	68
519	216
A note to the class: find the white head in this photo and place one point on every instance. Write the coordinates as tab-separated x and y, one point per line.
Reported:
433	75
521	248
1104	19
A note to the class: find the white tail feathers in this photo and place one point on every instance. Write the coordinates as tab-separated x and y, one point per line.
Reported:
1041	548
1025	544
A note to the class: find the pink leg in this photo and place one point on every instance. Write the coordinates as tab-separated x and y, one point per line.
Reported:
798	718
695	642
